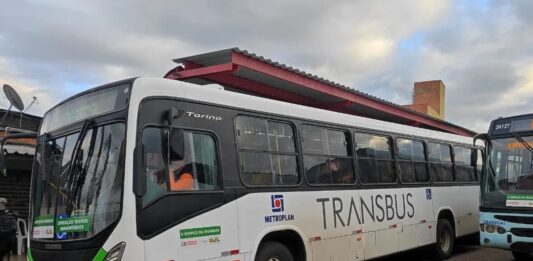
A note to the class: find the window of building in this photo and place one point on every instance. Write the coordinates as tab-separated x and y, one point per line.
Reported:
327	155
375	158
412	161
440	158
464	164
267	152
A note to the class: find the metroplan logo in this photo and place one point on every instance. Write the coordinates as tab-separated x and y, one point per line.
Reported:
278	206
277	203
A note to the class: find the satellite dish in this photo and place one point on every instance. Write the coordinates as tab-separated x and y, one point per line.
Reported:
13	97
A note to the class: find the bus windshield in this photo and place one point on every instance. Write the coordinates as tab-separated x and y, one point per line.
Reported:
78	180
509	174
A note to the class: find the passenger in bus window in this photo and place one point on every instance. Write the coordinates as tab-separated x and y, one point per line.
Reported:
336	170
329	171
345	174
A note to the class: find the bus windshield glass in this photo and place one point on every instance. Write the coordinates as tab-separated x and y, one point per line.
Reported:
78	180
509	178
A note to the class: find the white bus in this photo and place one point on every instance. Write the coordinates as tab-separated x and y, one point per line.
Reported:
156	169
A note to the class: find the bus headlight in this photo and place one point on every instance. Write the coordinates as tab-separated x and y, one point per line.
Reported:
500	230
490	228
115	254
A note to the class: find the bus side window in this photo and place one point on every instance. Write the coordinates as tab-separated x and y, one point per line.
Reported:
198	170
327	155
267	152
440	168
412	160
375	159
464	168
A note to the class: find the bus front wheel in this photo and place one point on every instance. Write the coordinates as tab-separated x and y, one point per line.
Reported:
274	251
443	248
521	255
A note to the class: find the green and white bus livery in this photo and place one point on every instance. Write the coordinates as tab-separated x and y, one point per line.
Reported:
156	169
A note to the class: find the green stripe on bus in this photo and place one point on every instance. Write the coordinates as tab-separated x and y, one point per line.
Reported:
100	255
30	258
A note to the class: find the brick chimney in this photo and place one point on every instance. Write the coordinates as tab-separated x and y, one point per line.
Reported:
428	98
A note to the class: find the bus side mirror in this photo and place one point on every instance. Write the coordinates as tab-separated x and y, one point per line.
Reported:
176	139
481	136
473	158
177	145
3	171
172	114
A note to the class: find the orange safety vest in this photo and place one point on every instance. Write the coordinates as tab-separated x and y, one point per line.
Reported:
184	182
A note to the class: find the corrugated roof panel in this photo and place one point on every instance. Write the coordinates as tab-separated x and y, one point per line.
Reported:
225	56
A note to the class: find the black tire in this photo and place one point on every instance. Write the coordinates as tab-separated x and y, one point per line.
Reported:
521	256
443	247
273	251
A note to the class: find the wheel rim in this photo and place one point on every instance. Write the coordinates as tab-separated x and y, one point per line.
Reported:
445	241
274	259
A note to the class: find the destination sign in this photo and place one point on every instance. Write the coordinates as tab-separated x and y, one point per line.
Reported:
510	125
86	106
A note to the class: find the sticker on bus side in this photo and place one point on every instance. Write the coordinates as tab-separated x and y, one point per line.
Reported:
200	235
278	208
519	200
428	194
200	232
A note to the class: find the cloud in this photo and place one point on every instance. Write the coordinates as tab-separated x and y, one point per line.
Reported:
26	90
481	50
522	94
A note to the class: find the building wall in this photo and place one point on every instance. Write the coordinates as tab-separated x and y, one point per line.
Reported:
424	108
15	186
429	98
21	121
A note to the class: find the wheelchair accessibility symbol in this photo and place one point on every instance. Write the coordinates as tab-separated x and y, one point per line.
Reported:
428	194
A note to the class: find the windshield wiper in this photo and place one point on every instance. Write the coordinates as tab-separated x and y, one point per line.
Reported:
489	163
526	144
75	158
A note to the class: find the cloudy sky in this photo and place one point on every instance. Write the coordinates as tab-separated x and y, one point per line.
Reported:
482	50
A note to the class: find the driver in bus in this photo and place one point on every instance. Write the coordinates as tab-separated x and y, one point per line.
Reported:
180	176
524	182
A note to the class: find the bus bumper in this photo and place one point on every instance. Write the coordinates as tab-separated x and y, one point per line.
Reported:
498	233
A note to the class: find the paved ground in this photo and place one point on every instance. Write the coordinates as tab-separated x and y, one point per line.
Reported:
462	253
465	251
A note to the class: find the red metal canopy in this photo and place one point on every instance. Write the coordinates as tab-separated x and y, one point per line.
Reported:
245	72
